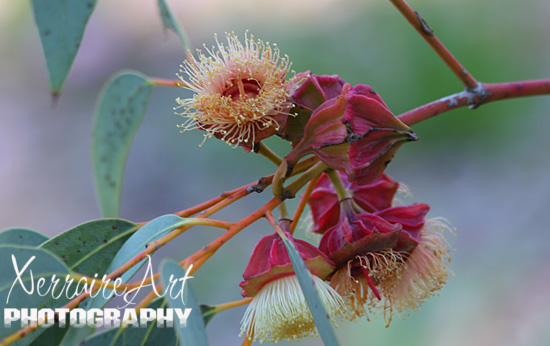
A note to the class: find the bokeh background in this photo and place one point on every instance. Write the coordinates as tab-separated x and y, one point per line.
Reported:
486	170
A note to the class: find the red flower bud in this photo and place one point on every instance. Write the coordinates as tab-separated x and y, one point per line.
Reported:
316	90
279	309
372	197
269	261
353	131
356	234
412	218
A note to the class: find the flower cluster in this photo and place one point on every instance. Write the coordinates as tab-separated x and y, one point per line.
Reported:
387	257
377	257
373	255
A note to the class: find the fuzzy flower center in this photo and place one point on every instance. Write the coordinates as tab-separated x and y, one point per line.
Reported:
366	278
279	310
393	282
241	91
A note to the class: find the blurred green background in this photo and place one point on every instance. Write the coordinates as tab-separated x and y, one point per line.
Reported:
486	170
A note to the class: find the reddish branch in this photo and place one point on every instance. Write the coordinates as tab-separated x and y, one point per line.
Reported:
427	33
484	93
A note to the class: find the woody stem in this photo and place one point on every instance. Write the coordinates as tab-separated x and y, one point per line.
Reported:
427	33
264	150
166	82
474	98
302	204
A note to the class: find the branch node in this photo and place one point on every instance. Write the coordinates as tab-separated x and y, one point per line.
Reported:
424	26
260	185
477	96
286	194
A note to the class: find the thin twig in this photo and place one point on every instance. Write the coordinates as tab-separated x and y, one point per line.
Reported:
263	149
485	93
166	82
427	33
302	204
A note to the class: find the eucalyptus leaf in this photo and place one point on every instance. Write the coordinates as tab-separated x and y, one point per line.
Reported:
318	311
89	248
21	291
22	236
61	25
152	231
175	280
170	22
118	115
152	335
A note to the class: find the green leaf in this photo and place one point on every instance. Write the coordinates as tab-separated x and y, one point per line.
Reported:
320	316
61	25
41	266
149	336
89	248
152	231
118	115
22	236
54	336
170	23
207	313
103	338
175	277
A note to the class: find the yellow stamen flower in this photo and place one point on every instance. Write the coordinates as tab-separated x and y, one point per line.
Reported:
242	95
398	280
279	310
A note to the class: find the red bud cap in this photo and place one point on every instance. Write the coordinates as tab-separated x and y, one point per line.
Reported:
412	218
269	261
353	131
356	234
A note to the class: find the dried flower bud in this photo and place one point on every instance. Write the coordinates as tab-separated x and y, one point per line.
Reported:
390	259
353	131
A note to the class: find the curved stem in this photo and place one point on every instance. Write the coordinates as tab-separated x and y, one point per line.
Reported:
149	298
427	33
485	93
205	205
279	178
166	82
302	204
283	211
310	174
231	305
207	251
341	190
264	150
201	256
